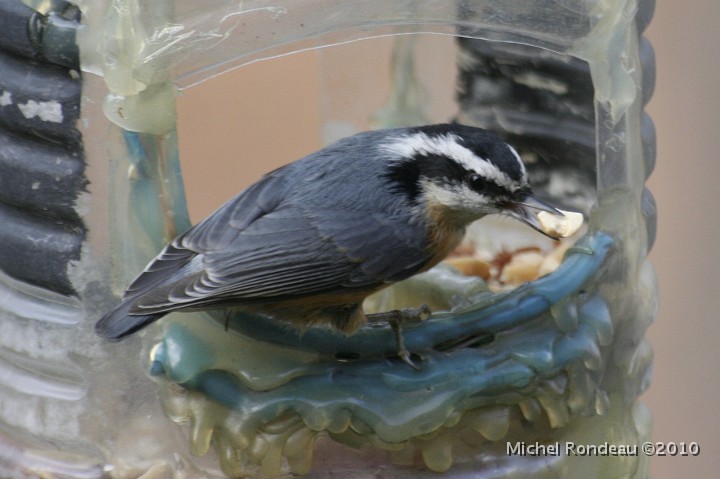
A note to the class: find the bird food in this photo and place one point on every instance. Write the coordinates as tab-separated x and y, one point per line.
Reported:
562	226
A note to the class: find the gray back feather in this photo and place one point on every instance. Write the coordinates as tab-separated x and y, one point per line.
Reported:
326	223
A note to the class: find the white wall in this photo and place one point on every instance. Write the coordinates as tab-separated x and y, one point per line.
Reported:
685	392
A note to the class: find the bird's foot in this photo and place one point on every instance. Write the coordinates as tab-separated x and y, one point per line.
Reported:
402	352
409	314
395	318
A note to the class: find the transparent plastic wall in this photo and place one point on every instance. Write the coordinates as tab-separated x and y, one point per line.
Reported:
559	359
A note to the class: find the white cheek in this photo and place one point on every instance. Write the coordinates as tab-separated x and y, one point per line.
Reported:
441	195
458	198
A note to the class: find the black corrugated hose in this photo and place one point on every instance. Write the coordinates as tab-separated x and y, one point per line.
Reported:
42	160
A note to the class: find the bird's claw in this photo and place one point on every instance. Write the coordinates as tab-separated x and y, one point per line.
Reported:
406	358
418	314
396	319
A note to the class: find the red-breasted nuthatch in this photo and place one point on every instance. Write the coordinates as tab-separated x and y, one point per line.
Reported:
311	240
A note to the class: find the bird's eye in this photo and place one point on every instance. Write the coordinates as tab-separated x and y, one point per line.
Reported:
477	182
484	186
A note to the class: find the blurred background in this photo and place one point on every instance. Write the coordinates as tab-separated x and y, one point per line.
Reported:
244	123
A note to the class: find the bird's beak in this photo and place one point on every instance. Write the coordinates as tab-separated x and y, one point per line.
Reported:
527	209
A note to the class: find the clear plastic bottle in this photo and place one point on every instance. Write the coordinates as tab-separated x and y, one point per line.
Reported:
511	379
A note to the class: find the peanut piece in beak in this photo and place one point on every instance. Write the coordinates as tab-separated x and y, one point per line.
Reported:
560	226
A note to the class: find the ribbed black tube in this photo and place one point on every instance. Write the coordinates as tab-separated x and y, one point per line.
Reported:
42	160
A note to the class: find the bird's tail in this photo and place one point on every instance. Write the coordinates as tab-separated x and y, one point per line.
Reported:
119	323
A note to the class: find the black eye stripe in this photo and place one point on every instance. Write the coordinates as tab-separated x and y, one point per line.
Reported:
482	185
405	176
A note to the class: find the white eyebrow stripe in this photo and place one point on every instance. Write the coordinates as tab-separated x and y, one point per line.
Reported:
519	160
448	145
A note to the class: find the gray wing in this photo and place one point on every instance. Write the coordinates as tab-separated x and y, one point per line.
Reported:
260	247
213	233
385	248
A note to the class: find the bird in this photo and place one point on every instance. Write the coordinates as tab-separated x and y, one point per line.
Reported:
309	241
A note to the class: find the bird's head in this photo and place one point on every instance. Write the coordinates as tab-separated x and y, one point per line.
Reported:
462	173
